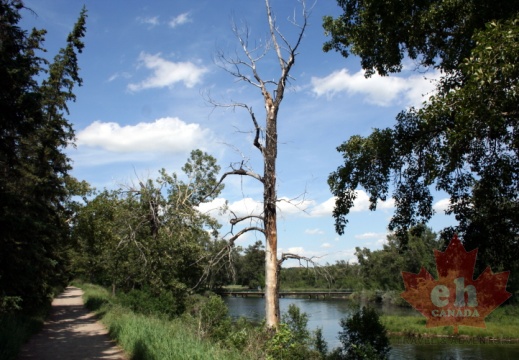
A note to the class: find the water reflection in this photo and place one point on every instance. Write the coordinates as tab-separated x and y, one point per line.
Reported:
326	314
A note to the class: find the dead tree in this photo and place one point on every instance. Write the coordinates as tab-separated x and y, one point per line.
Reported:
266	136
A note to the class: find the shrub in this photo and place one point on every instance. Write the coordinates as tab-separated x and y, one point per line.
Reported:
363	337
213	318
320	345
292	339
147	303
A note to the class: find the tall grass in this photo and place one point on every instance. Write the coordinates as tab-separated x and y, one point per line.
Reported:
15	330
18	327
150	337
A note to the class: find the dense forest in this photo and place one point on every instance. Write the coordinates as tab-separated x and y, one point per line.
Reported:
35	186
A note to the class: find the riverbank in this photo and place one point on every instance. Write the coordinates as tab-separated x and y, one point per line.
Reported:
501	325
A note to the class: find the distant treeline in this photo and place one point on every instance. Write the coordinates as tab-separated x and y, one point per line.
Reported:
373	269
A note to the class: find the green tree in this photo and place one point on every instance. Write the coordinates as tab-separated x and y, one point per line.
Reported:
435	33
252	265
381	269
33	166
463	141
292	340
363	337
150	236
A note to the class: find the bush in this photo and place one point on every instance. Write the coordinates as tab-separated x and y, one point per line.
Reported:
147	303
213	318
363	337
320	345
292	339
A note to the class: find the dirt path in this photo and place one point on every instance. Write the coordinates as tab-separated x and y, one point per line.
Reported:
71	332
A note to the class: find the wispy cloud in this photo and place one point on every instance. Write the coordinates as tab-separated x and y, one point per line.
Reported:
149	20
181	19
167	73
165	135
119	75
361	203
377	90
442	205
370	236
314	232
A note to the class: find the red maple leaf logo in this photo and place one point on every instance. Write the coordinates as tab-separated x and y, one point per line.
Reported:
455	298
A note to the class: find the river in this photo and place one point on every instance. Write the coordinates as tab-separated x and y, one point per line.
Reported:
326	314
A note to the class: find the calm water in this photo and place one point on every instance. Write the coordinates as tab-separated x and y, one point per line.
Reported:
326	314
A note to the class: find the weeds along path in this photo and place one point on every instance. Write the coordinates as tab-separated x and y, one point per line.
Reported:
71	332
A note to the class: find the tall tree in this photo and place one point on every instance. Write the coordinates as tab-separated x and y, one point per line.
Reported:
266	138
465	138
33	166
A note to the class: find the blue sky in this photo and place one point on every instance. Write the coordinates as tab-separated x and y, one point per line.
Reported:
148	69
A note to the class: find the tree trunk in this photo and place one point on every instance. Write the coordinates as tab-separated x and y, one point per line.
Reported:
270	219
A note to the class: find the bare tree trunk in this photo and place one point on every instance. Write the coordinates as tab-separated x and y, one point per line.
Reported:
285	53
270	216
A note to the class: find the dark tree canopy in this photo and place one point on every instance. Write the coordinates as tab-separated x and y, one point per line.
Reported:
433	32
33	166
463	141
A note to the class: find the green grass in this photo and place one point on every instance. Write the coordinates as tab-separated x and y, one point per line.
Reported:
18	327
15	330
149	337
502	323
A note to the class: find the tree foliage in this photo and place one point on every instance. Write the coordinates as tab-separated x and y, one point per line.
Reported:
381	269
363	337
34	169
251	266
435	33
149	236
463	141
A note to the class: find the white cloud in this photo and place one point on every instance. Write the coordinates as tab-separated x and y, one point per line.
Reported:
323	209
378	90
299	250
246	206
322	256
382	241
149	20
167	73
371	235
314	232
361	203
118	75
286	206
305	208
239	208
165	135
180	20
326	245
212	207
442	205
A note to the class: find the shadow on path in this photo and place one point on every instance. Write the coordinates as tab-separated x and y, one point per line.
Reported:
71	332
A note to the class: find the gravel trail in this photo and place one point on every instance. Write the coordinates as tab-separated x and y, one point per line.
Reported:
71	332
